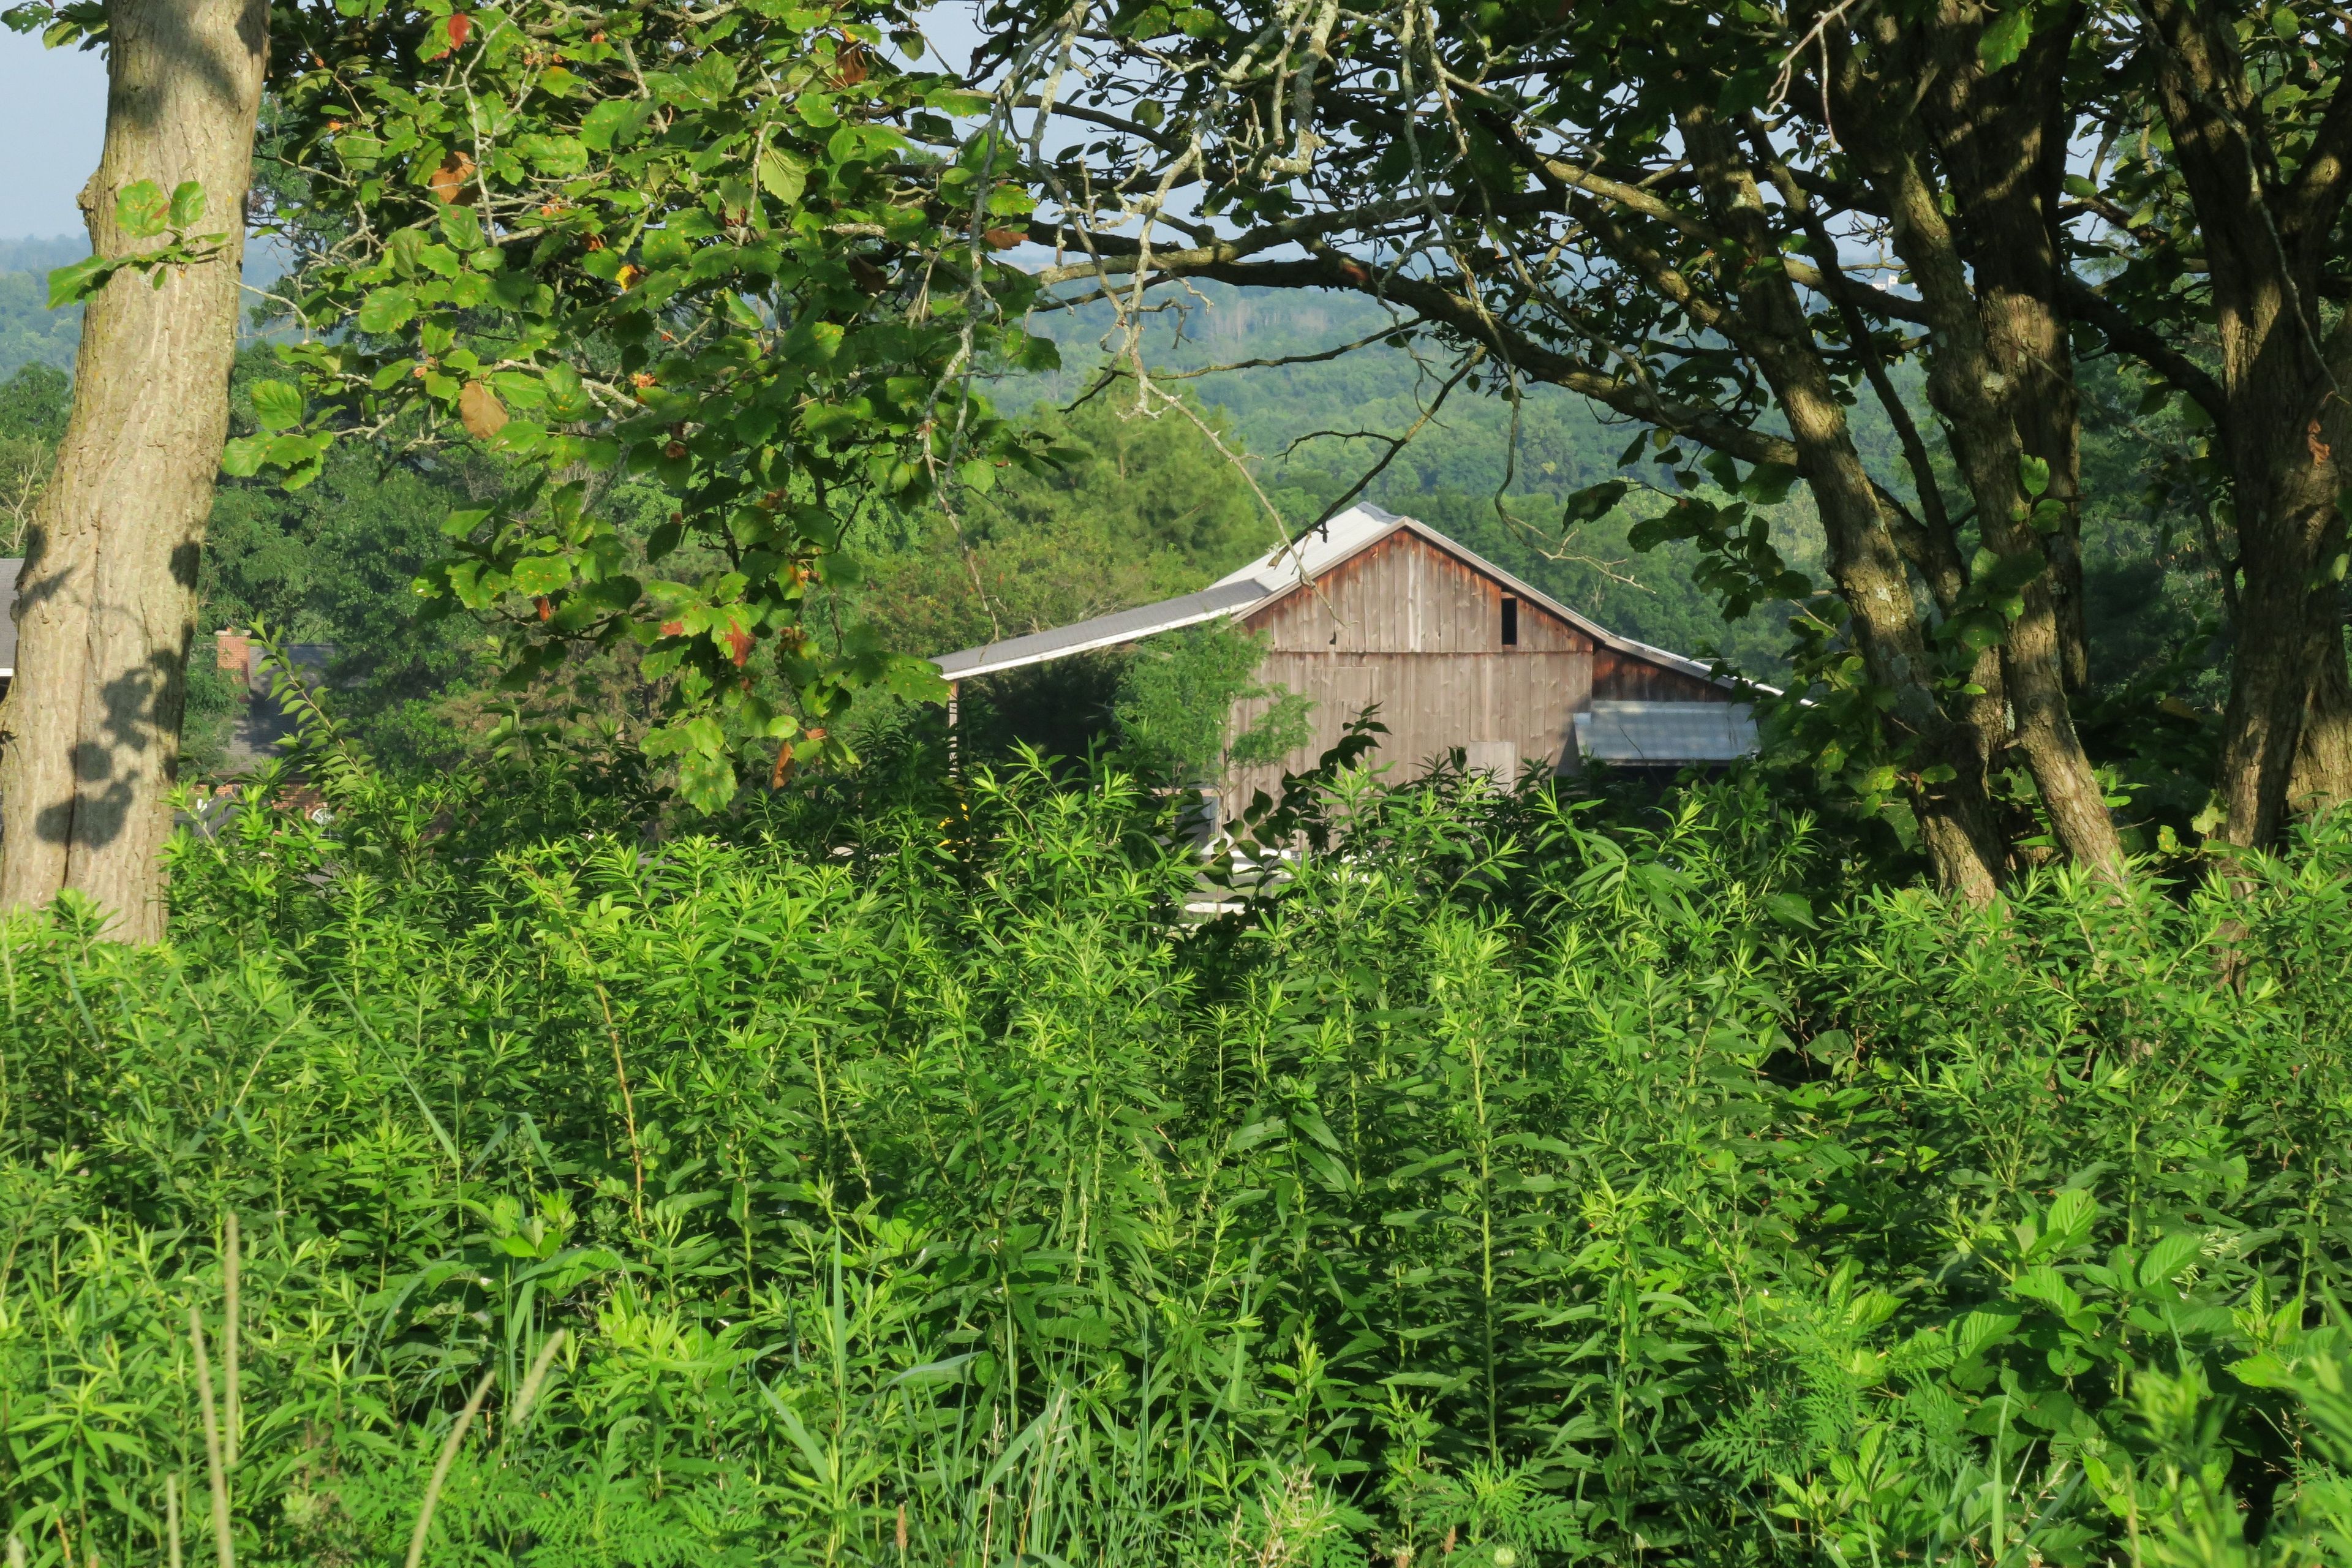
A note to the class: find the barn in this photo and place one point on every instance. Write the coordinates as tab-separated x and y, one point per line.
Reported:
1374	608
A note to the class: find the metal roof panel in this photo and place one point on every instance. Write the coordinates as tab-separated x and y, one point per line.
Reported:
1661	734
1224	599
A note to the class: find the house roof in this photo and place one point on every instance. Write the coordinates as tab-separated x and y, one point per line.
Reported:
1275	576
1666	734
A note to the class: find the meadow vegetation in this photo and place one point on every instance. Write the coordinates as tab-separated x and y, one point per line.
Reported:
1530	1179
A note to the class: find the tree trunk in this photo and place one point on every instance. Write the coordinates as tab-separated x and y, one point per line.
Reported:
1955	814
2290	630
2267	236
107	602
2322	779
1986	406
2001	138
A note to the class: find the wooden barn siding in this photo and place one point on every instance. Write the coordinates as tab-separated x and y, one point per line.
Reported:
1414	629
1622	677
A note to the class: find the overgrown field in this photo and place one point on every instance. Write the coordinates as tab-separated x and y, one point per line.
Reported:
1523	1184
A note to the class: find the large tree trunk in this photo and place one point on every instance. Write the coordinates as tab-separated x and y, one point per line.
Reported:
1984	340
2001	138
1955	814
2289	628
107	602
2322	779
2267	236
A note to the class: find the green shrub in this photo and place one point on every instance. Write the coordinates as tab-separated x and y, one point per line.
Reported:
1176	699
1517	1185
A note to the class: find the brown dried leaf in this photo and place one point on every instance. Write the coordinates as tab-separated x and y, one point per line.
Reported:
448	183
479	408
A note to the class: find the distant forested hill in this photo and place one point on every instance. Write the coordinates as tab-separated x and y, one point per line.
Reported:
30	332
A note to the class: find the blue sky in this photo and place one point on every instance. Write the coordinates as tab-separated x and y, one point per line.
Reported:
52	121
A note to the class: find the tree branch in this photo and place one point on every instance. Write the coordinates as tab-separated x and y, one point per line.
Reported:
1436	304
2126	335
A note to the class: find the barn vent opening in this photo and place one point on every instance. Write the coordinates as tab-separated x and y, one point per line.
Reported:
1510	620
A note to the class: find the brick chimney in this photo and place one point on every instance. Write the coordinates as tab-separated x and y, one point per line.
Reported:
233	649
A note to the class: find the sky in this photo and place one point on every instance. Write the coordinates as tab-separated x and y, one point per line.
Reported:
52	121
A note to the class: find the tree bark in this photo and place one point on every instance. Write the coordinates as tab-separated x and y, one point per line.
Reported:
1986	405
2288	665
2322	779
2001	138
2282	416
1770	325
106	608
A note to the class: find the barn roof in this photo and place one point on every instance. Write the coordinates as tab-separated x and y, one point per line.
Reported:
1227	598
1275	576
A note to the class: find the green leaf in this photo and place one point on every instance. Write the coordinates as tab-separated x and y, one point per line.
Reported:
567	398
2168	1258
2069	1222
1593	503
461	227
612	124
814	342
561	156
783	175
71	284
187	204
1982	1331
277	405
386	310
242	458
2034	474
141	209
914	680
537	575
707	783
1768	484
2004	38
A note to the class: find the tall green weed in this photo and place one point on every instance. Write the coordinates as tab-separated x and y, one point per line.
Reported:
1520	1180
